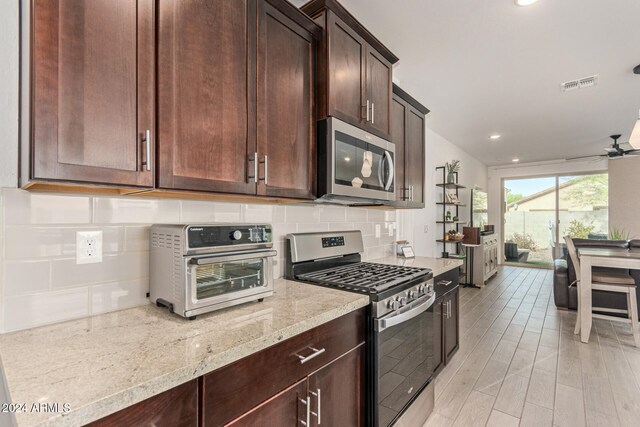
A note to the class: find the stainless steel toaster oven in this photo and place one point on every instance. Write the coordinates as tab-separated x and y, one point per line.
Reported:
198	268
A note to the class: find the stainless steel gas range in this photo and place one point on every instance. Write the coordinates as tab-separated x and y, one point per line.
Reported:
400	349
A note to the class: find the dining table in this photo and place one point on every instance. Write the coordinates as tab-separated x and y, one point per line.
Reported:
599	257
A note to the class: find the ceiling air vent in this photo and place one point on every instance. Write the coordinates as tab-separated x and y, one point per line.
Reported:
580	83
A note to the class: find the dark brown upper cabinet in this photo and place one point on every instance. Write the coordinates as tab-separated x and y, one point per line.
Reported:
408	135
92	92
355	71
236	97
207	95
286	104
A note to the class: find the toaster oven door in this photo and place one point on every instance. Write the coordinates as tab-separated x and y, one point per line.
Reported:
223	280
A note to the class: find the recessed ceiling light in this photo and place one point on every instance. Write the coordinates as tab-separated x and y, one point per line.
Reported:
525	2
494	137
516	160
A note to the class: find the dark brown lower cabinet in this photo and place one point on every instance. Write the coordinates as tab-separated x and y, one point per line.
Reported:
337	393
284	409
177	407
451	327
446	318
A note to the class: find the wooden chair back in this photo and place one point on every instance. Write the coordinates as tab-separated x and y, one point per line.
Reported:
573	253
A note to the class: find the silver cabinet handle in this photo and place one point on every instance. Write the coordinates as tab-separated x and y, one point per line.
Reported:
319	413
254	160
444	282
147	144
391	171
313	355
307	403
266	170
367	110
411	187
373	113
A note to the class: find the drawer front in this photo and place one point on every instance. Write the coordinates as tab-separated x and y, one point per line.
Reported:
441	282
233	390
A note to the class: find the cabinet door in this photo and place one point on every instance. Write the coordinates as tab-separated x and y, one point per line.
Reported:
206	94
414	155
337	391
379	92
438	316
451	325
398	137
284	409
347	51
93	91
177	407
286	114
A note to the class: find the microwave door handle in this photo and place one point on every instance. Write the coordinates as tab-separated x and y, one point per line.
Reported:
387	156
380	169
384	324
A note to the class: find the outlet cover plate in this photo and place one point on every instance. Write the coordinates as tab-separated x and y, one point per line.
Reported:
88	247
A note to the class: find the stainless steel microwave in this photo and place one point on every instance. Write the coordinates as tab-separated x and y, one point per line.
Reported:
354	166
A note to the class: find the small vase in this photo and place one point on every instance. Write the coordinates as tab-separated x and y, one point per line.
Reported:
450	178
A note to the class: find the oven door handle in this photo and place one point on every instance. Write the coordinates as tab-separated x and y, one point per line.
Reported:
384	324
235	257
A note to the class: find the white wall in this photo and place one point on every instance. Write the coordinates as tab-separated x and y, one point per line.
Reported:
624	203
498	173
472	173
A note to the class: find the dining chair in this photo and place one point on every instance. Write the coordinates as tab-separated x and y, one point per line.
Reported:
605	280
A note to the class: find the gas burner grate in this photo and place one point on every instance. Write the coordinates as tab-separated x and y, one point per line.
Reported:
364	276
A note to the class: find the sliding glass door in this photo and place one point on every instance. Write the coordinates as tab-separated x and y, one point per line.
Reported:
539	211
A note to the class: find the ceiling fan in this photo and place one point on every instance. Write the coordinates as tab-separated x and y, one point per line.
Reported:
613	152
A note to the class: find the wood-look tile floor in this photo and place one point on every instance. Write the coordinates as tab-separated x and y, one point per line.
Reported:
519	362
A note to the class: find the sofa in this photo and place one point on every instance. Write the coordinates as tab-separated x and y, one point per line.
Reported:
566	297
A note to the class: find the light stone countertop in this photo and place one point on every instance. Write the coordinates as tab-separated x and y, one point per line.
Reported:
102	364
437	265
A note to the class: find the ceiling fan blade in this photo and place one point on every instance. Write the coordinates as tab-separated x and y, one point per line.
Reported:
631	151
587	157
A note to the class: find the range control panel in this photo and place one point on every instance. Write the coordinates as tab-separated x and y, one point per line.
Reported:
227	235
331	242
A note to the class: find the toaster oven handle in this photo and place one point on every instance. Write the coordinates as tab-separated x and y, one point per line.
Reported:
235	257
391	171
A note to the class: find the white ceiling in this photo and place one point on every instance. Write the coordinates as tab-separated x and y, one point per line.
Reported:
488	66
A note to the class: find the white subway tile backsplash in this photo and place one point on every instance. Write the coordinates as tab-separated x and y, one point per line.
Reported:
23	207
114	296
124	266
196	211
136	238
44	284
37	242
26	277
302	213
135	210
27	311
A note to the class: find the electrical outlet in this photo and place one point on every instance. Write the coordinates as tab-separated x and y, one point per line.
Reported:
88	247
426	229
377	230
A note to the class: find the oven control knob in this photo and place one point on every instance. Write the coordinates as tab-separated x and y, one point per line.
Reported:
236	235
422	289
401	301
392	304
412	294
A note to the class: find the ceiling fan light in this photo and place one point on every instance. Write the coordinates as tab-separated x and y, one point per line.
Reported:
525	2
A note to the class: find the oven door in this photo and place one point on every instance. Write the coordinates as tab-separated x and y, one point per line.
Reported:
403	358
223	280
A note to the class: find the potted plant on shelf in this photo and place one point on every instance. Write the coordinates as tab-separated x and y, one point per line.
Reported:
452	168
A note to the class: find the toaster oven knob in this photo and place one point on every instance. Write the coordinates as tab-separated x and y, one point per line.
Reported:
236	235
